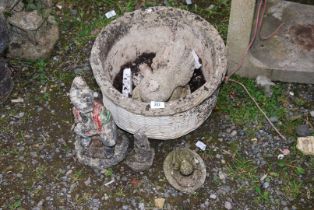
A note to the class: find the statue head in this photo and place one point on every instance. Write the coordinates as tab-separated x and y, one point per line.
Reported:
81	95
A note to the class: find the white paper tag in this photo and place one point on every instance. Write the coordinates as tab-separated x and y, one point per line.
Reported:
149	10
197	60
127	82
201	145
110	14
157	105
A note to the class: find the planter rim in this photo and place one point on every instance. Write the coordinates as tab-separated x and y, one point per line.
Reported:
171	107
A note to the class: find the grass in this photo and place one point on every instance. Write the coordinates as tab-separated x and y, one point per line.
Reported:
108	172
120	192
78	175
292	189
40	172
234	101
16	204
243	169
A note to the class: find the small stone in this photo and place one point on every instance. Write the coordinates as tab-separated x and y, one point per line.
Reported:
228	205
28	21
159	203
233	133
69	172
266	185
273	119
141	206
284	203
222	175
73	12
59	6
206	203
303	130
306	145
312	113
21	114
254	140
87	182
213	196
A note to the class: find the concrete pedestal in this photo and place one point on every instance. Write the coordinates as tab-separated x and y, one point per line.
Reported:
288	56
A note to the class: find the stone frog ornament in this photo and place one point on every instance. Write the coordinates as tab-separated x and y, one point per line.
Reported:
185	170
98	143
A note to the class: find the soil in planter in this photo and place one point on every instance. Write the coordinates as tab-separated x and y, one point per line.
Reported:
134	66
196	81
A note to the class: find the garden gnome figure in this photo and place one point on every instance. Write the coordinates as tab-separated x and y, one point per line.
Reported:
142	156
91	117
95	129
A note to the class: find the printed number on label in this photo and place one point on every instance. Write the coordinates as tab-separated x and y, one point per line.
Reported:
157	105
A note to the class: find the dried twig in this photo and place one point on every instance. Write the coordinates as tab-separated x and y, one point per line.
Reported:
260	109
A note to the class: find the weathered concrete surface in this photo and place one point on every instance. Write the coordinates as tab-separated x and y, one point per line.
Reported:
185	170
288	55
239	31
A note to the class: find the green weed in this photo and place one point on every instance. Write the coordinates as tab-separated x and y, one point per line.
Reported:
243	169
234	101
78	175
40	172
292	188
16	204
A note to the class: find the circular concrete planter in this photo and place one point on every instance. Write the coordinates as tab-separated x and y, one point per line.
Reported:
146	31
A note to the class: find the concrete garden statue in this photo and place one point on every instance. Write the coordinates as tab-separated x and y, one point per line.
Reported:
142	156
98	143
185	170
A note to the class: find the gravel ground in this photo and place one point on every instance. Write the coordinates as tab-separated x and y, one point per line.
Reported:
39	169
